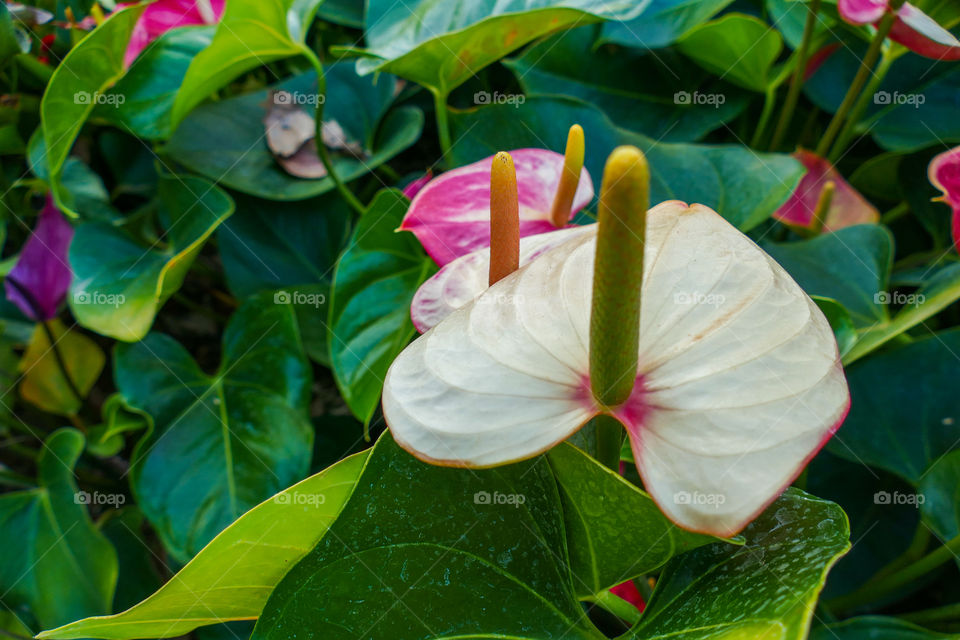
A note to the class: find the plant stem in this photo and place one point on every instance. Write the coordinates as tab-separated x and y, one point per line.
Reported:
861	105
322	152
879	588
443	125
866	66
617	606
796	81
609	442
897	212
768	103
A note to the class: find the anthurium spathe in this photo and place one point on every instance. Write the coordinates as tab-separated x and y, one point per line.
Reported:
944	173
162	15
845	208
451	214
38	283
738	381
912	27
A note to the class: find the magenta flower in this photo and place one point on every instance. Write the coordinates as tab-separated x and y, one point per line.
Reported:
847	207
39	282
451	214
162	15
944	174
913	28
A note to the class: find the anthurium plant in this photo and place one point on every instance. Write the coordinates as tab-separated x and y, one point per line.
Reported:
539	320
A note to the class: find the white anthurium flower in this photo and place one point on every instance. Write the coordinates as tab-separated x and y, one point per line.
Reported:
739	381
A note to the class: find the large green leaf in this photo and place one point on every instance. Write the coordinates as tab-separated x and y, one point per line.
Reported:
80	80
55	562
876	628
250	34
736	47
370	302
435	552
904	407
120	283
231	578
743	186
614	531
661	95
940	488
767	588
661	23
151	84
221	443
442	43
225	140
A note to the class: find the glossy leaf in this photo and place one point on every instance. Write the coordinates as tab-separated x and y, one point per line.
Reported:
662	23
876	628
231	578
221	443
55	561
370	306
120	283
940	488
225	141
766	588
43	383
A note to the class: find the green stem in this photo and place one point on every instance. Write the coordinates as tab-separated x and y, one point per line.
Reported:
322	151
876	589
866	66
796	81
443	125
847	133
897	212
768	103
948	613
617	606
609	442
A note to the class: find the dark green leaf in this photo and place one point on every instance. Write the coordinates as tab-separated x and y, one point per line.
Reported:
876	628
661	23
940	488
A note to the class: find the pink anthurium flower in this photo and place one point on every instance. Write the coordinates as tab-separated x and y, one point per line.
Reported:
162	15
738	382
913	28
38	283
451	214
416	185
944	173
846	208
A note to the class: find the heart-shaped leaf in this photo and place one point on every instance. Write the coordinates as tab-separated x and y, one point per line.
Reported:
231	578
222	443
120	283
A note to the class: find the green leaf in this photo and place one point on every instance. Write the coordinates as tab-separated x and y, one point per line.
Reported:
440	45
661	95
222	443
249	34
146	94
767	588
43	383
840	321
138	577
9	38
55	561
370	303
231	578
120	283
661	23
904	407
84	74
615	532
349	13
736	47
876	628
106	439
940	488
225	140
743	186
468	553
